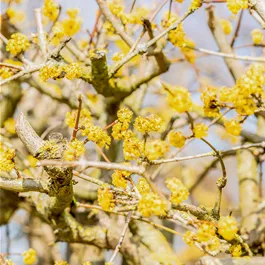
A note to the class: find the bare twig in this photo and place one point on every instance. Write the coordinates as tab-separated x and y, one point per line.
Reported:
75	130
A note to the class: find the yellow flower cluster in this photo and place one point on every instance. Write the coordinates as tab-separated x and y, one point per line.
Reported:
119	178
7	156
6	72
105	197
9	262
257	36
32	160
148	124
119	130
96	134
84	119
179	98
132	146
73	70
179	191
236	250
211	106
205	232
58	33
195	4
143	186
177	139
151	203
74	150
248	92
155	149
226	26
236	5
17	43
72	24
213	244
9	125
178	38
233	127
53	71
200	130
190	238
29	256
134	17
50	9
15	16
227	227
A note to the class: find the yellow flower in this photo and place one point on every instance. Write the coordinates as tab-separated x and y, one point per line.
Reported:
97	135
178	98
205	232
236	250
84	119
15	16
74	150
209	98
179	191
9	125
72	12
213	244
227	227
132	146
119	130
50	9
105	197
32	160
233	127
119	178
257	36
53	71
155	149
117	56
73	70
226	26
148	124
124	115
235	5
200	130
195	4
177	139
7	156
151	203
17	44
72	24
189	238
142	186
29	256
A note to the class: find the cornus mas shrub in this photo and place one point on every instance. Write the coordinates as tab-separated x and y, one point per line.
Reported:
130	141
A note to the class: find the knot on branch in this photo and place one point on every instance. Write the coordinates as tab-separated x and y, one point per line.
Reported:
142	48
221	182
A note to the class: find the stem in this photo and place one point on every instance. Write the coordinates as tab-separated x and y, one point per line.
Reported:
75	130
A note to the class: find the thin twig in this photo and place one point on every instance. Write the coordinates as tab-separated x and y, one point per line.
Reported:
11	66
237	28
75	130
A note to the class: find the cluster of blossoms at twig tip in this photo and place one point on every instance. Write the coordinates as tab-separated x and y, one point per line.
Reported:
200	130
233	127
29	256
148	124
7	156
155	149
50	9
178	98
84	119
179	191
6	72
211	106
119	130
132	147
227	227
195	4
17	43
177	139
74	150
151	203
236	5
236	250
105	197
119	178
143	186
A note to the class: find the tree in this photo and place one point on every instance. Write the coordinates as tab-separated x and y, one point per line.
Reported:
100	150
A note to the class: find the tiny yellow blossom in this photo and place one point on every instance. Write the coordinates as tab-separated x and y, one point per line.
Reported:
213	244
177	139
179	191
155	149
50	9
227	227
233	127
73	70
210	104
236	5
72	24
29	256
119	178
205	232
124	115
74	150
84	119
32	160
132	147
148	124
17	43
226	26
15	16
200	130
119	130
195	4
7	156
257	36
53	71
189	238
236	250
105	197
117	56
9	125
143	186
